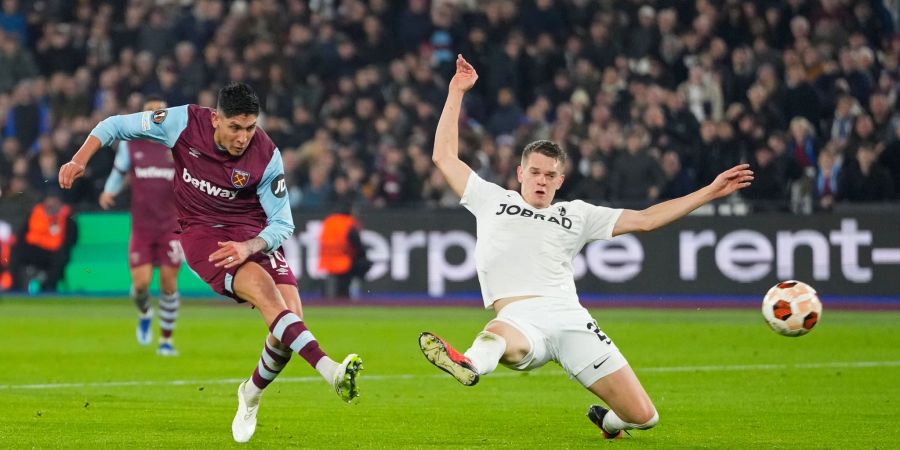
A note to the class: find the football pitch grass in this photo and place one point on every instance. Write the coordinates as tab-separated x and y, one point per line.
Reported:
73	376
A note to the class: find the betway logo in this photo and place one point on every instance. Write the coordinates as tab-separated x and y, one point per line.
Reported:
207	187
154	172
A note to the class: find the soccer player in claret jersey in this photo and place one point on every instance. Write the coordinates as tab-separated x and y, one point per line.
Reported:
234	214
523	256
154	223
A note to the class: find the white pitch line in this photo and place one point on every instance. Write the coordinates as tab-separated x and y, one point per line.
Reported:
308	379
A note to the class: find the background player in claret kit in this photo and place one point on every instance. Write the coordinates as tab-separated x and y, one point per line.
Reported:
523	256
234	213
154	223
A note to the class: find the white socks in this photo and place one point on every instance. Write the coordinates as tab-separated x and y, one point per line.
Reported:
252	393
326	366
612	423
486	352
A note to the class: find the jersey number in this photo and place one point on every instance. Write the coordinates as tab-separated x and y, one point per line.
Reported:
175	253
592	326
276	259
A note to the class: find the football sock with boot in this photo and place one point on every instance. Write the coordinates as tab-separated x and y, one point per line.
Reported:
290	330
486	351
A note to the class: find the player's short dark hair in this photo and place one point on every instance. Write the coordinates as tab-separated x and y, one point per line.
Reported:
154	98
236	99
546	148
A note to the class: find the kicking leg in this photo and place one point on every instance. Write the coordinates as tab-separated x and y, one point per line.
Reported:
169	300
140	285
254	284
342	376
630	406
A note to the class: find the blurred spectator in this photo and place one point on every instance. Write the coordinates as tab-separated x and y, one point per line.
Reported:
29	116
645	36
865	179
12	21
842	123
827	179
703	94
595	187
768	185
763	109
43	245
317	190
883	119
436	192
802	142
800	98
16	62
392	178
890	159
679	181
863	135
636	176
507	115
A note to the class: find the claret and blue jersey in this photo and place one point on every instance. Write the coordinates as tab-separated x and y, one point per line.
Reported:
212	187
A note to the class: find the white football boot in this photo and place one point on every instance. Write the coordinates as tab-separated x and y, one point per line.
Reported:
244	423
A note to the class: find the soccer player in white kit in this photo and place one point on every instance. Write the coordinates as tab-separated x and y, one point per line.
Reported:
523	256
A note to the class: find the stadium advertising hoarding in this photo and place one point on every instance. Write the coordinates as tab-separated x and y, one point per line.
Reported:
99	262
433	252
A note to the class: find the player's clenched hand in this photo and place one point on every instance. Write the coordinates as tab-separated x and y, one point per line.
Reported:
107	200
737	177
230	254
68	173
465	76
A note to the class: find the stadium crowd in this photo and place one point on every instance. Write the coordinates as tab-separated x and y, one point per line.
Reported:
651	98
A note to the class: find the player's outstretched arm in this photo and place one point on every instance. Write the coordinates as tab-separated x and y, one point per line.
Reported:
163	126
661	214
74	169
446	138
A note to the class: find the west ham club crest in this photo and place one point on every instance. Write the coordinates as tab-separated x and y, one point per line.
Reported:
239	178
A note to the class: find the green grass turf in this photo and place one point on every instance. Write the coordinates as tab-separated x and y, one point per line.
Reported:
785	406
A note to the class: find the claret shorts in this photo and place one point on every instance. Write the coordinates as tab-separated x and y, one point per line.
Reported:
200	241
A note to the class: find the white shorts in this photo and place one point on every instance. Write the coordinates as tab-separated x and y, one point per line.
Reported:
563	331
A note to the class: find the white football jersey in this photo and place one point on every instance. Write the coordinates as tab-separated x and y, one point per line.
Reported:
522	250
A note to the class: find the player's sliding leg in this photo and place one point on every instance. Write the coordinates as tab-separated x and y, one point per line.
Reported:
629	405
169	300
499	341
440	353
140	294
